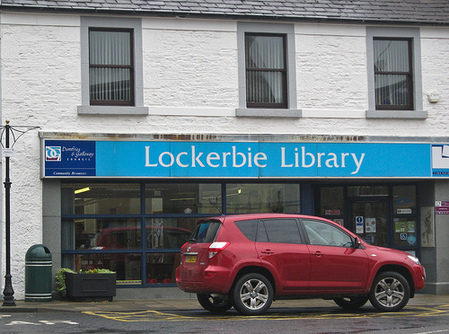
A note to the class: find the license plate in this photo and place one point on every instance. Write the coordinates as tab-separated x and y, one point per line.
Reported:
191	258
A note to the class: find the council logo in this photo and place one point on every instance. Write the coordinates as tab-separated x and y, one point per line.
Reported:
52	153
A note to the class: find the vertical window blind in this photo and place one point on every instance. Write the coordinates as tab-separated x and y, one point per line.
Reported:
111	67
265	71
393	74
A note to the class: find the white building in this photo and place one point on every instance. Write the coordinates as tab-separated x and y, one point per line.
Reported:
155	113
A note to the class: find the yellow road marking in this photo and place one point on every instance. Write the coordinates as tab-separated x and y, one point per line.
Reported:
152	315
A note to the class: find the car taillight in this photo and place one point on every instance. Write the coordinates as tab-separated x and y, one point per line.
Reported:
217	247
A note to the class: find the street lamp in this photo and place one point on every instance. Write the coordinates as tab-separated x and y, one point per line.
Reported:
16	132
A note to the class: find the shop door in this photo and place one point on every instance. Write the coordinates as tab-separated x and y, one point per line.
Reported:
369	221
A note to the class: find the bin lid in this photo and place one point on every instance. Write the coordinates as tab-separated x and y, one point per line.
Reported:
38	252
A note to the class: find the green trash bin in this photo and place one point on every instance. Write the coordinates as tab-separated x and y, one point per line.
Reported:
38	274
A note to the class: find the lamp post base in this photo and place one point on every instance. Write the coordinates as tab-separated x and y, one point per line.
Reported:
8	292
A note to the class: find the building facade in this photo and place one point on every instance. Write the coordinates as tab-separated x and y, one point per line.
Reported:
152	114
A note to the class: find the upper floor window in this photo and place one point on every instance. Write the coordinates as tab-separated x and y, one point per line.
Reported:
267	78
111	67
266	85
394	73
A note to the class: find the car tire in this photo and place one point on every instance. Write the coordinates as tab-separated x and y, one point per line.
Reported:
390	292
214	304
351	303
252	294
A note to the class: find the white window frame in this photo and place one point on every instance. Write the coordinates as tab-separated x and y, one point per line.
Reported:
289	31
102	22
409	33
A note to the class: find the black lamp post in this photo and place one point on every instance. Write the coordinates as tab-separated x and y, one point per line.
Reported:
8	292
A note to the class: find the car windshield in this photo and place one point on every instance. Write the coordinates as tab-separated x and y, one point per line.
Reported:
205	231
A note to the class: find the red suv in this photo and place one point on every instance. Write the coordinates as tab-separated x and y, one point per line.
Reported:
247	261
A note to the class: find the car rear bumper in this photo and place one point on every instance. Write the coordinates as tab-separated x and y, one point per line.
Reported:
215	280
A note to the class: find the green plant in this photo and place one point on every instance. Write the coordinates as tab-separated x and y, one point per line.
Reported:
60	280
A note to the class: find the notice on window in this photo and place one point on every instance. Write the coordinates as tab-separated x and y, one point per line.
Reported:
370	225
407	227
359	224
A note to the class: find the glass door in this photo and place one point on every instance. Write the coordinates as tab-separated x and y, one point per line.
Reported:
369	221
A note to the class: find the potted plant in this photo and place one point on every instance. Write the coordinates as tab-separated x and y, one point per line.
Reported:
89	284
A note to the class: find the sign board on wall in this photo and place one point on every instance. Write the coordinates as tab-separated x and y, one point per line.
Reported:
83	158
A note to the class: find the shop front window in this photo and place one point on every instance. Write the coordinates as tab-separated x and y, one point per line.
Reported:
137	228
257	197
100	198
101	233
183	198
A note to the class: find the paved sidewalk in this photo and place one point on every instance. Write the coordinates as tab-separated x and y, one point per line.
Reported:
179	304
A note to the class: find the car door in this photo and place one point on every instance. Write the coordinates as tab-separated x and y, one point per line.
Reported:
336	265
281	249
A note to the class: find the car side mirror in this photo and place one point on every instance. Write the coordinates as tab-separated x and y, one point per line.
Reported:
357	243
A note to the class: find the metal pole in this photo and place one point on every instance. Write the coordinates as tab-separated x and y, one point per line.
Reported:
8	292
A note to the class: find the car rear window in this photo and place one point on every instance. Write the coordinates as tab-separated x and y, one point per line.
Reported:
248	228
206	231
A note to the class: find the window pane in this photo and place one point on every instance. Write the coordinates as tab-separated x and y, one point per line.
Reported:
264	52
101	234
332	201
110	84
391	55
168	232
184	198
264	87
110	47
392	90
161	267
100	198
404	200
269	197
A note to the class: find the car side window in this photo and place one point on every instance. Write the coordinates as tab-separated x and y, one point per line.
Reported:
248	228
283	231
322	233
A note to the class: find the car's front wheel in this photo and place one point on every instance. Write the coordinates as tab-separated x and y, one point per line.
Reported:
390	292
214	303
351	303
253	294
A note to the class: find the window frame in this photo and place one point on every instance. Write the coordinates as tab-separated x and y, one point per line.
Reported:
408	74
129	102
134	25
413	35
282	71
290	107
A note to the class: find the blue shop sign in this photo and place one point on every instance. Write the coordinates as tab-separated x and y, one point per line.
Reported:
78	158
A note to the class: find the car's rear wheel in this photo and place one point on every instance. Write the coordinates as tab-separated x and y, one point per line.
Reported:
390	292
351	303
253	294
214	303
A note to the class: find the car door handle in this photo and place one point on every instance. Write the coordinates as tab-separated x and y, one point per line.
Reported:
317	253
267	251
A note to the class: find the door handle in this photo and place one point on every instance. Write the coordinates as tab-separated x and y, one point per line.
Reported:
267	251
317	253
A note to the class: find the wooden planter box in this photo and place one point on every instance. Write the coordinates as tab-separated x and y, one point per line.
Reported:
90	286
